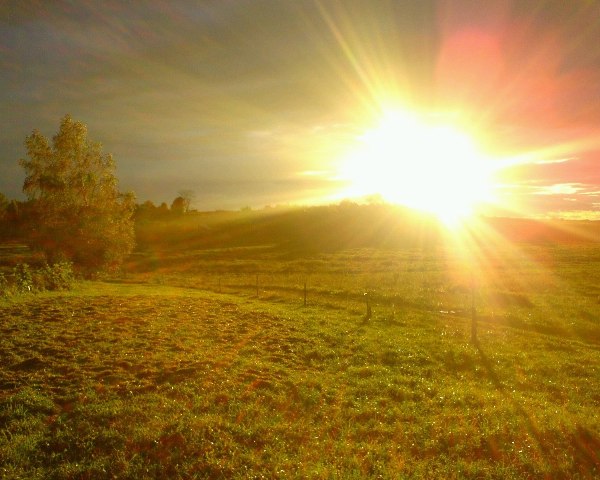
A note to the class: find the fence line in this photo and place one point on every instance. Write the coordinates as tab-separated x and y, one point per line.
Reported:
371	300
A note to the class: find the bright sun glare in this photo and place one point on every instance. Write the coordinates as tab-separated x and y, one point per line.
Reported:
428	166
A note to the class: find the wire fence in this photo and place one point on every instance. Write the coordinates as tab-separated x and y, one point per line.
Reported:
371	295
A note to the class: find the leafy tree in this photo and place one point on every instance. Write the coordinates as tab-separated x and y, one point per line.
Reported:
3	206
16	213
145	211
79	214
178	206
188	198
4	224
13	210
163	210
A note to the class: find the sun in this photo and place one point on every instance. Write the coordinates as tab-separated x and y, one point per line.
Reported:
426	165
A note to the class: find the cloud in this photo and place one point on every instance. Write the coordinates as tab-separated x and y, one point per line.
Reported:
575	215
559	189
553	160
193	94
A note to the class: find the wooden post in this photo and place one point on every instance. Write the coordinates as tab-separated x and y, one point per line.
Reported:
305	293
219	284
257	285
473	312
368	300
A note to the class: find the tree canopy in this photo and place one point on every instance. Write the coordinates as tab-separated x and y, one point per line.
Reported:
79	213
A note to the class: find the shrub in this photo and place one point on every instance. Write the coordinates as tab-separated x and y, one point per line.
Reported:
58	276
23	278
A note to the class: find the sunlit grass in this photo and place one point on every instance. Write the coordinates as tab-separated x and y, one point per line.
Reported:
170	378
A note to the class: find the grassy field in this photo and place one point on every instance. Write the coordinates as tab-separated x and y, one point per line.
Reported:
207	364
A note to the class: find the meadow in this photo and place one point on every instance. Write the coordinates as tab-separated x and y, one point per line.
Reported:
255	361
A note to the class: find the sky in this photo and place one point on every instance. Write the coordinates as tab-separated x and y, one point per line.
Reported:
258	102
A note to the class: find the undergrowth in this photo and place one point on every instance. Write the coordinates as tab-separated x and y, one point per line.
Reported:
26	279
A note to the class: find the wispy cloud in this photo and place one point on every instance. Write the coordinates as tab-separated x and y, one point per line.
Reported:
575	215
559	189
553	160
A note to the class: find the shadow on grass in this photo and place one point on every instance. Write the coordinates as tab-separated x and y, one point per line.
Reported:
584	444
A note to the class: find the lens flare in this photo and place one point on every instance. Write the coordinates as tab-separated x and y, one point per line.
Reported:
424	165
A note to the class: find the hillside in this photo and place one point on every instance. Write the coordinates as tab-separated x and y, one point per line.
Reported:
347	225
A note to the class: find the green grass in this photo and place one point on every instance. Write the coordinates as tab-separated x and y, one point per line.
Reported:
171	379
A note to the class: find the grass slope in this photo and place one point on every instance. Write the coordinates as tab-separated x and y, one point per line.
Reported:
153	381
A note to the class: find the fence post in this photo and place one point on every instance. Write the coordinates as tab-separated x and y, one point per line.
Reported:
368	300
473	313
305	293
257	285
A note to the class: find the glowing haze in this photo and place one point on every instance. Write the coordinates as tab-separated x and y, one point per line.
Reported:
442	105
431	167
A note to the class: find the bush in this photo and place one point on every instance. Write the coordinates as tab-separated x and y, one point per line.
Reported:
23	278
58	276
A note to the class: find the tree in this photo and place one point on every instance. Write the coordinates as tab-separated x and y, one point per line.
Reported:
178	206
145	211
163	210
3	205
188	198
3	215
79	213
14	213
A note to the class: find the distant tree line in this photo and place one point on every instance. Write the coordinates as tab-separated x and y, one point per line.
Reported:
15	215
148	211
18	217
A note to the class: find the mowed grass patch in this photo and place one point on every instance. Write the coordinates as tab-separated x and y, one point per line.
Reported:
134	381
